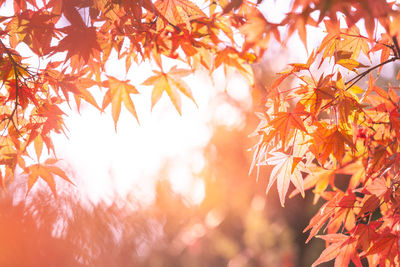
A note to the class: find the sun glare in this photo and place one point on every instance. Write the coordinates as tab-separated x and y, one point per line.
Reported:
104	162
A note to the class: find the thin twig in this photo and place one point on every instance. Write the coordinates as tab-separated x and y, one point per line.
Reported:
396	45
358	77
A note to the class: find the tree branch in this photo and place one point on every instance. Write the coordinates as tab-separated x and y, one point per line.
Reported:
358	77
15	68
396	45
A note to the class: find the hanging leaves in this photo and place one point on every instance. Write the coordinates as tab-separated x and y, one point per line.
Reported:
349	128
327	123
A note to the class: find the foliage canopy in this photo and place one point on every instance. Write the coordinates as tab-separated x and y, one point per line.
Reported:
327	125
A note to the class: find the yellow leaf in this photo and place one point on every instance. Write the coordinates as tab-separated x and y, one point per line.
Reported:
350	63
355	43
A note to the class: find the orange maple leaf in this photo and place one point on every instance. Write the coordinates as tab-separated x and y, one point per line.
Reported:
285	122
118	92
299	21
178	12
342	248
330	141
88	47
46	172
171	83
353	42
257	31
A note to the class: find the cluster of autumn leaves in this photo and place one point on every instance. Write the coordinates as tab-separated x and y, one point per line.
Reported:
340	133
326	125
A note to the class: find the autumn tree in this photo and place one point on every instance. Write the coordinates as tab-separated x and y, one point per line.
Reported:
328	124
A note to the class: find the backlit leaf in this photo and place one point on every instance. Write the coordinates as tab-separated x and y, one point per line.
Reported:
171	83
286	169
119	92
178	12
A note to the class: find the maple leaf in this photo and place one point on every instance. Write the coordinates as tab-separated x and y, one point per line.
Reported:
72	84
257	31
287	169
285	122
50	117
118	92
24	93
342	248
45	171
366	234
178	12
318	221
350	64
171	83
329	130
354	43
88	47
374	11
229	57
369	205
377	187
387	245
347	103
357	172
36	29
298	21
382	45
330	141
330	42
82	85
329	212
320	93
